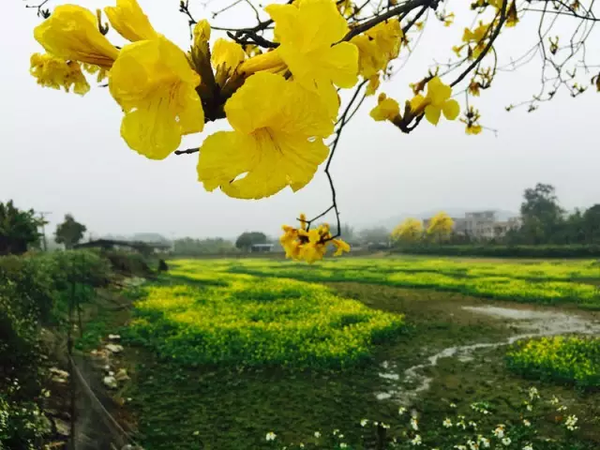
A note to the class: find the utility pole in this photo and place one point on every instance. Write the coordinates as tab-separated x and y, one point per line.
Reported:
43	214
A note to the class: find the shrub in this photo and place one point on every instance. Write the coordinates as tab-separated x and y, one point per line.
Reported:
573	360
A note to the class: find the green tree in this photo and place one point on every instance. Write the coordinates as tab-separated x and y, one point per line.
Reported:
70	232
541	214
247	239
18	229
591	225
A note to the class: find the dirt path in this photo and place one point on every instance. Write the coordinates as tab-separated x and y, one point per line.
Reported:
527	322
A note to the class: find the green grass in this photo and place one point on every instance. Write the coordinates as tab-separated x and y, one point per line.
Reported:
572	359
544	283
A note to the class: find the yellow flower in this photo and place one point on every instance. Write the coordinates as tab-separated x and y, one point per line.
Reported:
128	19
310	245
277	139
474	88
378	46
373	85
156	87
341	247
449	19
55	73
478	37
101	72
307	31
226	57
473	129
386	109
511	15
72	33
436	102
201	33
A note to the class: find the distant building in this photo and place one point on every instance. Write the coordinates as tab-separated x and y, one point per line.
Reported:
482	225
261	248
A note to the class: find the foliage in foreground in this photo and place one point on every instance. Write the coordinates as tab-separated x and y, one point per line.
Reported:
254	322
563	359
476	429
531	283
34	292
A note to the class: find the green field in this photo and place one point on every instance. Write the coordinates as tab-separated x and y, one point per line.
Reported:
222	352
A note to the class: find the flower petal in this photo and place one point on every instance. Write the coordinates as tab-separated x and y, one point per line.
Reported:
128	19
432	114
225	155
451	109
152	129
257	104
72	33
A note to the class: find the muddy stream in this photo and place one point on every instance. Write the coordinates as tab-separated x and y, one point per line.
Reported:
533	324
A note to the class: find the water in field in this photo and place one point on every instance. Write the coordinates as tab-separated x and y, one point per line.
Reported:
535	323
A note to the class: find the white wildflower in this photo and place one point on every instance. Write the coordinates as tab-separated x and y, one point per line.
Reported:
506	441
364	422
485	442
271	436
526	422
561	408
533	393
571	423
401	410
414	424
416	440
499	431
473	424
528	447
343	445
554	400
472	445
447	423
317	434
452	405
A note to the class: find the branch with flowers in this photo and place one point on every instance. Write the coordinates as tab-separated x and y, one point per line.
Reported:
280	83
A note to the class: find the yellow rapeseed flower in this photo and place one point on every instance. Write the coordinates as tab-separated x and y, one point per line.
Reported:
72	33
57	73
128	19
277	139
436	102
386	109
307	31
156	87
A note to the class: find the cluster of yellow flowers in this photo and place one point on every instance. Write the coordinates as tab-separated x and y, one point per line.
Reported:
286	105
308	245
253	321
571	359
436	102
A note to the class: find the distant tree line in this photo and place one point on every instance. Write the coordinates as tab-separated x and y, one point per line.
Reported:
198	247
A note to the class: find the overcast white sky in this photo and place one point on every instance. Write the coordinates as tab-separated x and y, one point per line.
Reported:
62	153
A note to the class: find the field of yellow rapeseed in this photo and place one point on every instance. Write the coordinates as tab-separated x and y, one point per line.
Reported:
564	359
547	282
243	320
